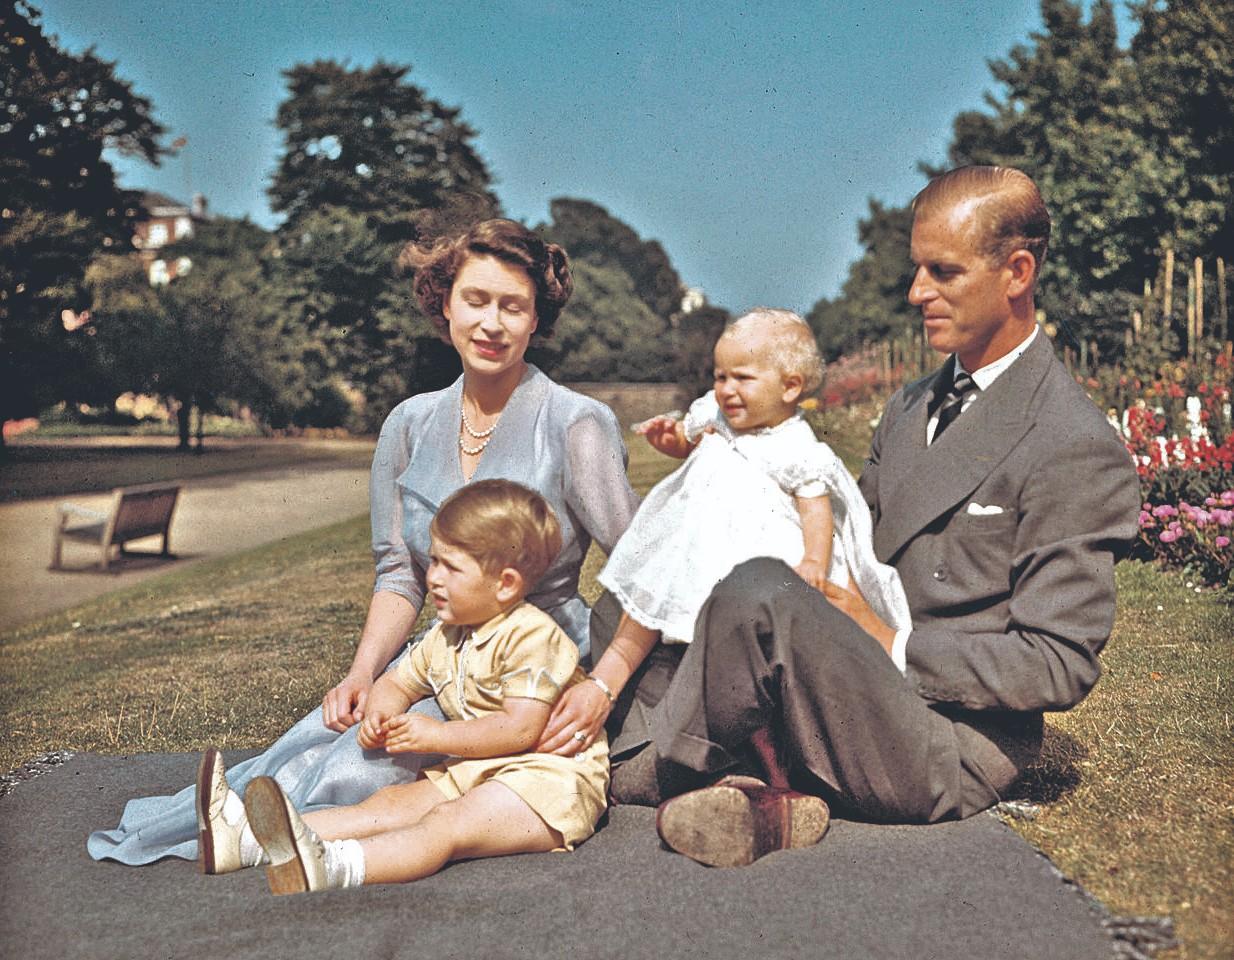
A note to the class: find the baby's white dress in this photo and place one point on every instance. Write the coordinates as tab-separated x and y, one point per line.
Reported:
733	500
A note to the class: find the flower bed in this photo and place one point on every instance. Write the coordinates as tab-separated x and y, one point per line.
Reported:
1187	484
858	378
1194	539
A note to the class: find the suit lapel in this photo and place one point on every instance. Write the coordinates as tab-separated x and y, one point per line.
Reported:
926	482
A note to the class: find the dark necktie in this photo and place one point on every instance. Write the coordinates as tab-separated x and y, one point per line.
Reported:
953	401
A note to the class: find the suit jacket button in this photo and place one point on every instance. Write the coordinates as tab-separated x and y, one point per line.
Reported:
940	573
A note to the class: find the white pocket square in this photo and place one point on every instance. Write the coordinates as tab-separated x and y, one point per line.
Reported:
977	510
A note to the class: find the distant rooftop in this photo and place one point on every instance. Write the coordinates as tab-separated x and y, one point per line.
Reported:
161	205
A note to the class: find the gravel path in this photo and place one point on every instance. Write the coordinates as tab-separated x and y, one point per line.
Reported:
215	516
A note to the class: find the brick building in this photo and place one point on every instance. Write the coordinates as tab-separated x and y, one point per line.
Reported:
166	222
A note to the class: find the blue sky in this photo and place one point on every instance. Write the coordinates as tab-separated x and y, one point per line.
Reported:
746	137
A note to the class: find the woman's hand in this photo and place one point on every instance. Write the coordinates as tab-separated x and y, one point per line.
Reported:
582	709
343	705
413	733
389	622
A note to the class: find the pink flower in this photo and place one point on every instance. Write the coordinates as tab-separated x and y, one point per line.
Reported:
1222	542
1146	518
1165	510
1168	536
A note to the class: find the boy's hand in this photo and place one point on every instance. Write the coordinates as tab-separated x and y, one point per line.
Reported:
412	733
812	572
372	732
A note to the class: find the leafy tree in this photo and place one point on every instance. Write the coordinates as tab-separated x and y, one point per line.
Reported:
263	355
696	336
61	205
1068	118
619	323
370	162
1132	149
368	141
204	337
589	232
606	332
1183	57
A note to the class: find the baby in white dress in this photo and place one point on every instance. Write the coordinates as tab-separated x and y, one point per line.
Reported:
756	483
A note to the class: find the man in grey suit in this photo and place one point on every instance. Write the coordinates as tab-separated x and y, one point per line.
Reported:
1002	497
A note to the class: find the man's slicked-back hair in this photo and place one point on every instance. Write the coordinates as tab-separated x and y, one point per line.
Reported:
1008	211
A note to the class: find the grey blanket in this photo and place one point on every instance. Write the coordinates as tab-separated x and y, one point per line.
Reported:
962	890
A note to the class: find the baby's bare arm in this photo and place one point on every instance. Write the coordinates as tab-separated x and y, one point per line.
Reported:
817	526
667	435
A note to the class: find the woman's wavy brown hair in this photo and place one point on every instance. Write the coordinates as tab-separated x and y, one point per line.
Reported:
438	262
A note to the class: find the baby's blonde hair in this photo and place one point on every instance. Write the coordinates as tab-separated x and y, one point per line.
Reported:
499	524
794	349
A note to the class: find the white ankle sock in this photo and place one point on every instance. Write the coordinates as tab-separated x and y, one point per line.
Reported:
344	863
251	852
234	814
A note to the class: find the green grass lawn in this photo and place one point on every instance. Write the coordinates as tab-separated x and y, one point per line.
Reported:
1134	788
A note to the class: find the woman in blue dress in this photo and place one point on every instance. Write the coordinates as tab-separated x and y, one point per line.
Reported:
488	291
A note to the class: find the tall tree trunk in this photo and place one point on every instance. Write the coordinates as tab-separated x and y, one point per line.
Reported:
183	412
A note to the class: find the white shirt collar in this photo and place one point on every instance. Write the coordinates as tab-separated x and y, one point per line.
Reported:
993	370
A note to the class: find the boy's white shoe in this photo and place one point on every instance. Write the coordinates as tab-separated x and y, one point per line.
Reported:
220	818
297	855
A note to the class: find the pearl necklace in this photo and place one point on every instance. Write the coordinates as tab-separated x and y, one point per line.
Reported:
484	436
472	430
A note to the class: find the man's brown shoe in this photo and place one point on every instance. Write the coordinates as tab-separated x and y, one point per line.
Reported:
738	820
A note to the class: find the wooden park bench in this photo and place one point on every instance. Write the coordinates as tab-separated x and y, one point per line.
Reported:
136	512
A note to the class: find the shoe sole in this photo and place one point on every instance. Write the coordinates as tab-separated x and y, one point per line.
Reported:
205	838
267	813
721	826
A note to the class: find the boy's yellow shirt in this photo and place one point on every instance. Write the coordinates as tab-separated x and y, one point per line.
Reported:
471	670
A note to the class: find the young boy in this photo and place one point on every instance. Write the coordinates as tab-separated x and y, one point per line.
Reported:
496	666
